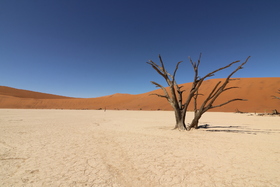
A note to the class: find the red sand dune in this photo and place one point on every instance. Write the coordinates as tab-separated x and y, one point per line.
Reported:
8	91
257	91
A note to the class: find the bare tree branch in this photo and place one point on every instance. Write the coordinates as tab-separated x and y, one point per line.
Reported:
222	88
157	68
173	77
275	97
227	102
222	68
229	88
163	88
213	92
162	64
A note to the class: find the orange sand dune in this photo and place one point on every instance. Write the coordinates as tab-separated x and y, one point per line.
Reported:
8	91
257	91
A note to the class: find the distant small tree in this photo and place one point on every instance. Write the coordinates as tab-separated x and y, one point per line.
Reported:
275	97
175	94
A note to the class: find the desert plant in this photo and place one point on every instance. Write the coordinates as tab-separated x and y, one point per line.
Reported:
175	94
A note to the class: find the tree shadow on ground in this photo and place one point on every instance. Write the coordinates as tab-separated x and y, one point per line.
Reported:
237	129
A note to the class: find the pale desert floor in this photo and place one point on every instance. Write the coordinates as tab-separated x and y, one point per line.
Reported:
136	148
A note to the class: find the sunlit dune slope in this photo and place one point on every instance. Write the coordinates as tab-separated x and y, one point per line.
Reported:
257	91
8	91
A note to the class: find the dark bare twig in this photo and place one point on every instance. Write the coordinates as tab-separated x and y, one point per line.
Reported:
275	97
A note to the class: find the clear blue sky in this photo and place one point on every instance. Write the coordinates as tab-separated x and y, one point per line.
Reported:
94	48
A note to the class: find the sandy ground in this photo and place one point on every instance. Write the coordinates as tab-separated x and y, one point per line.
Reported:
136	148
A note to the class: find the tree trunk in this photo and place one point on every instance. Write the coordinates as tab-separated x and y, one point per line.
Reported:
195	121
180	119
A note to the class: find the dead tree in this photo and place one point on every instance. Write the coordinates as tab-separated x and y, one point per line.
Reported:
175	94
275	97
218	89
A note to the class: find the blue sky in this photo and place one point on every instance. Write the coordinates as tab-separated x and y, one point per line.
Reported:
94	48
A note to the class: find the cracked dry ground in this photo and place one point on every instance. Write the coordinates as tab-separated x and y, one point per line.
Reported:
133	148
